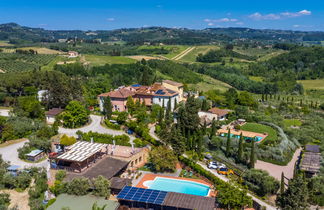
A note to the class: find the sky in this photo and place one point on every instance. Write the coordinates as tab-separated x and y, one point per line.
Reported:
305	15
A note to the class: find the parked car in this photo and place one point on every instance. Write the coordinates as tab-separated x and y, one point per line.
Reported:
225	171
208	156
212	165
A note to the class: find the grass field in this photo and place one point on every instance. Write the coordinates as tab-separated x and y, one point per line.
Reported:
5	44
42	50
174	50
313	84
191	56
292	122
255	78
259	128
209	83
98	60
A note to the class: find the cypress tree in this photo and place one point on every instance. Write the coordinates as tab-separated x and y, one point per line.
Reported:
175	104
228	143
262	97
107	107
316	105
266	97
301	102
240	148
213	129
204	128
282	183
161	116
252	155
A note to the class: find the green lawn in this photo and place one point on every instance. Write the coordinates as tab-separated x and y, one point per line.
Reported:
317	84
259	128
292	122
98	60
210	83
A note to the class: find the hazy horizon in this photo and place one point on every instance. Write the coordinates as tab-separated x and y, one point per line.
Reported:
109	15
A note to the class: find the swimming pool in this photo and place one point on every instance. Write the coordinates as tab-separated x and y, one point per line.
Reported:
177	185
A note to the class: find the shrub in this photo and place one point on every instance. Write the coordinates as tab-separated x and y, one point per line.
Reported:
60	175
112	125
67	141
101	187
104	138
260	182
78	186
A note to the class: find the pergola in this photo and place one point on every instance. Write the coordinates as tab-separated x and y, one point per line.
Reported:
81	154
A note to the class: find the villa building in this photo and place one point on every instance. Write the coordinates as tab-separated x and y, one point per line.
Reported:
118	98
175	86
158	93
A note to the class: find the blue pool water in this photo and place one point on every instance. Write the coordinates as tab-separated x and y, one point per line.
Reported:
179	186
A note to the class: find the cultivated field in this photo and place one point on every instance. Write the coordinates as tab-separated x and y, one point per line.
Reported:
42	50
317	84
98	60
209	83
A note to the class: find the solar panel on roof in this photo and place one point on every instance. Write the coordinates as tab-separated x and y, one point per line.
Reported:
142	195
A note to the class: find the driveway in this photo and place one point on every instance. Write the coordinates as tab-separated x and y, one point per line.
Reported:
276	170
9	153
94	126
224	178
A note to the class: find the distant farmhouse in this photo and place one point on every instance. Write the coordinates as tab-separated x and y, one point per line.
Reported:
73	54
158	93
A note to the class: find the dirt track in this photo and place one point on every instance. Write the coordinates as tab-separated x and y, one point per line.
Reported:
183	53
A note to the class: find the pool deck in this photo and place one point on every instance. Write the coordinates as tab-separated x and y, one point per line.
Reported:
151	177
248	134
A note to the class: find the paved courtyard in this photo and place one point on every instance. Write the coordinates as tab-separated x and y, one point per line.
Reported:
276	170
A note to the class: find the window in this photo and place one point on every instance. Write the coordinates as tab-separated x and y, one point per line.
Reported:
140	159
135	161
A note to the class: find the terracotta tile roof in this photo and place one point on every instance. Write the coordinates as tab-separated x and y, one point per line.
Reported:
120	93
170	82
54	112
219	112
165	92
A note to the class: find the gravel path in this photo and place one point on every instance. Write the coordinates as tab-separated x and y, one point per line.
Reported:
94	126
10	153
276	170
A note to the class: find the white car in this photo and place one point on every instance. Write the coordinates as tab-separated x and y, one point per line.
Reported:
212	165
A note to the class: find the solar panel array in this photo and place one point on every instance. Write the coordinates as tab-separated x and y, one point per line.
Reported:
160	92
142	195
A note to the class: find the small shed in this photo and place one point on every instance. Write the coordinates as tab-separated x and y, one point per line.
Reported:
51	115
35	155
13	170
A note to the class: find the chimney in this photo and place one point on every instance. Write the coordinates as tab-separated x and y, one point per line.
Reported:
133	149
91	140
